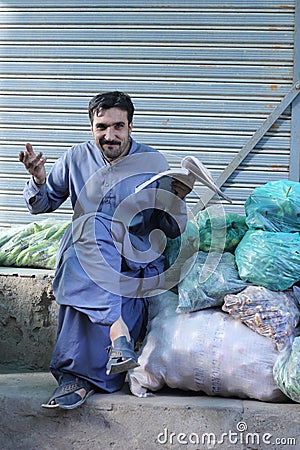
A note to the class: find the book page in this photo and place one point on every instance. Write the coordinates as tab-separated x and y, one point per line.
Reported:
191	169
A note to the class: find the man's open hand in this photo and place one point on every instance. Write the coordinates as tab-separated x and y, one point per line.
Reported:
34	164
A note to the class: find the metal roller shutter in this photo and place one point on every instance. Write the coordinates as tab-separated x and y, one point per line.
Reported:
203	75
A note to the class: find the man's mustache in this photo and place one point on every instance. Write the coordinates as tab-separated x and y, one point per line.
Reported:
105	142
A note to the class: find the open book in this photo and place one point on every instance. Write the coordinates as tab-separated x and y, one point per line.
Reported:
191	170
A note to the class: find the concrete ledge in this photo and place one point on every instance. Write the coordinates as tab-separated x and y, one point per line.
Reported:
28	318
121	421
25	272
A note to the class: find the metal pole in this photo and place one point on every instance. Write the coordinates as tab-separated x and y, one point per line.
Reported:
295	118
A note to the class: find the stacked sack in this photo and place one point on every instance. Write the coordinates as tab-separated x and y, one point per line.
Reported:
269	256
204	351
287	367
238	334
211	273
269	253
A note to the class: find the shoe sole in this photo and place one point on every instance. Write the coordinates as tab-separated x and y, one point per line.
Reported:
75	405
123	366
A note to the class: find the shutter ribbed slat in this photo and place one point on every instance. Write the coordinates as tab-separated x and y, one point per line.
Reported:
196	17
151	4
151	53
152	36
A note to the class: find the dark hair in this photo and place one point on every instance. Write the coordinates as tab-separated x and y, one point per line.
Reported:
107	100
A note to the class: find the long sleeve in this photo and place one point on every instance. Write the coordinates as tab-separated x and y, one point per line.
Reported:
50	195
171	224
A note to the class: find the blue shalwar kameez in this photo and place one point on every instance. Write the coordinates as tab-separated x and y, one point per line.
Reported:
107	263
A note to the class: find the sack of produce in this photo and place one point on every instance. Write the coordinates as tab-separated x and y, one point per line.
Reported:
287	371
212	276
268	259
8	233
274	315
34	245
206	351
219	231
274	206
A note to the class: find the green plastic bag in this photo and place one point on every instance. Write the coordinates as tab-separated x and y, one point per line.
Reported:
268	259
286	371
33	245
212	276
274	206
219	232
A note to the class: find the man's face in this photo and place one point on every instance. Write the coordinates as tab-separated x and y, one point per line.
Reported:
111	132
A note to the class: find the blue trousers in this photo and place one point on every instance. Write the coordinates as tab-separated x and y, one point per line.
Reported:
80	347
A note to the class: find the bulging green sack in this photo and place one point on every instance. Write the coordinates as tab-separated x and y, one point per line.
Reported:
268	259
212	276
274	206
220	232
286	371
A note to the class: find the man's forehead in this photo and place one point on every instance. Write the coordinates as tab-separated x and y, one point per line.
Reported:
115	114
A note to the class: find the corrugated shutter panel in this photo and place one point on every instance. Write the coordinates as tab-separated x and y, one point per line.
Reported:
203	76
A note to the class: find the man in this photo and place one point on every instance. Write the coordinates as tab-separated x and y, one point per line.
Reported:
110	259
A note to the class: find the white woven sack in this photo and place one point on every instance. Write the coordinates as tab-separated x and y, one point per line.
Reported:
205	351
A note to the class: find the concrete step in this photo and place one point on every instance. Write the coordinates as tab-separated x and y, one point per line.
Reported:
169	420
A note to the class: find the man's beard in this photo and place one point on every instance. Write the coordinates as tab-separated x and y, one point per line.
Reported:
114	149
